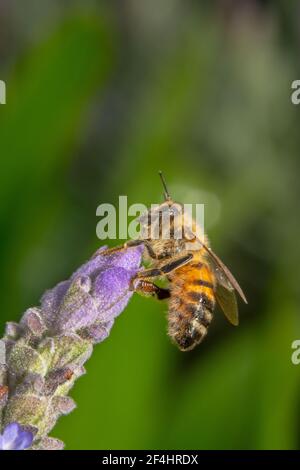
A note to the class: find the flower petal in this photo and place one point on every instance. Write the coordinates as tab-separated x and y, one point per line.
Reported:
15	438
23	441
11	431
78	308
129	259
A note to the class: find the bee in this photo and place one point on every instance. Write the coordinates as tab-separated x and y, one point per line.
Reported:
197	278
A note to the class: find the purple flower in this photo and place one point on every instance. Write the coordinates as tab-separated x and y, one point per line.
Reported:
15	438
46	351
94	296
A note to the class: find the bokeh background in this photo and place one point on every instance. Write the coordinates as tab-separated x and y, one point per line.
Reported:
100	96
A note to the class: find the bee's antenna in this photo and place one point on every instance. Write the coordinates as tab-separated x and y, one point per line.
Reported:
166	192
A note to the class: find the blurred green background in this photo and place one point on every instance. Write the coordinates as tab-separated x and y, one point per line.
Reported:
100	96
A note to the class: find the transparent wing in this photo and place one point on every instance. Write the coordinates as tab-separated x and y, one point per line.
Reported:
226	298
223	275
226	285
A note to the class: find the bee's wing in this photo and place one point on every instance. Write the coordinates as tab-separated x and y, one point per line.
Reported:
224	276
226	285
226	298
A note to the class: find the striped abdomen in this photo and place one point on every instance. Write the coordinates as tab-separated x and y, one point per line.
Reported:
191	305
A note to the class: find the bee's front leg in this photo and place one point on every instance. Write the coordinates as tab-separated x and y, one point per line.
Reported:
148	288
167	268
115	249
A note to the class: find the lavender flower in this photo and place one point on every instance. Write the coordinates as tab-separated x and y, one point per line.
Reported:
46	351
15	438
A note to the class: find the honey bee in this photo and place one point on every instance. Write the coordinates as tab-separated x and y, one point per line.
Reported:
197	278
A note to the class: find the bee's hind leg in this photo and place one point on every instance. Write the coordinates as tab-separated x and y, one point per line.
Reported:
148	288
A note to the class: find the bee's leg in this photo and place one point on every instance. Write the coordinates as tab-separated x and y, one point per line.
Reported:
145	287
166	269
152	253
130	244
150	250
115	249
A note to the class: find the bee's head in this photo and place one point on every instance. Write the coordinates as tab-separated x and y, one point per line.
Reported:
159	220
